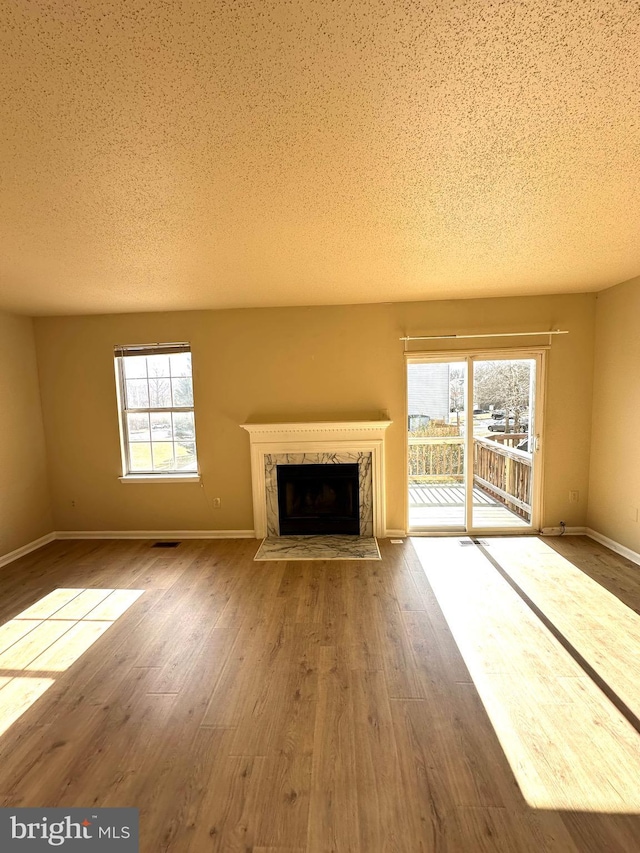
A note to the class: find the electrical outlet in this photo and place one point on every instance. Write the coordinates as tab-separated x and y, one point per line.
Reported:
73	503
574	496
633	513
217	503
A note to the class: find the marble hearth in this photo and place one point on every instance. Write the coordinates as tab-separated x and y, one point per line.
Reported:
326	443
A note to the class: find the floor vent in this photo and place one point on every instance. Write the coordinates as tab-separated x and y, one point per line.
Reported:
165	544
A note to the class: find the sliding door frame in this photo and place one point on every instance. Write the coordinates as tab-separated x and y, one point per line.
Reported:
469	357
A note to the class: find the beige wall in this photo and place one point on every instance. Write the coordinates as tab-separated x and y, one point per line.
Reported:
614	497
25	511
279	364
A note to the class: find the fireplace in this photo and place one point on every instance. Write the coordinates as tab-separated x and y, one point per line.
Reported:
318	499
328	445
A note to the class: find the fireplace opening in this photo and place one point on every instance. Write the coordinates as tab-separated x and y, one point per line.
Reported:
318	499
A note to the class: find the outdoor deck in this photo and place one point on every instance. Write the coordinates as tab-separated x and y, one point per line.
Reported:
442	506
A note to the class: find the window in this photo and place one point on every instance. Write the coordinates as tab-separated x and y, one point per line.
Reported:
156	408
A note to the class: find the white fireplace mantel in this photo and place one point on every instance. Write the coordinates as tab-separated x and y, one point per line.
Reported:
319	437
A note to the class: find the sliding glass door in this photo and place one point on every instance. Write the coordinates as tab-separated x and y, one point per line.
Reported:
473	435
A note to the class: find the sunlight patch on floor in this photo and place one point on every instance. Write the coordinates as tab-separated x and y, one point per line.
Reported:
17	696
48	637
601	627
568	746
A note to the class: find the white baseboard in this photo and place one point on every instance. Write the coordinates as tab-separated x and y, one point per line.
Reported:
155	534
568	531
5	559
614	546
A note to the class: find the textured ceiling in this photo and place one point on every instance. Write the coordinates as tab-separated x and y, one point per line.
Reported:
158	154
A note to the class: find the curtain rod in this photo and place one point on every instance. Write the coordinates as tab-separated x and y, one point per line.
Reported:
496	335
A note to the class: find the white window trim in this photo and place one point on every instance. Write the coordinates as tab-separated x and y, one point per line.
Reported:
147	476
160	478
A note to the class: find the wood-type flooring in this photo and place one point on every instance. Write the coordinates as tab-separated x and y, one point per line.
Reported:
411	704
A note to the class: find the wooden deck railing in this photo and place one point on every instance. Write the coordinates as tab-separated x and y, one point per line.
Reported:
501	470
505	473
511	439
437	458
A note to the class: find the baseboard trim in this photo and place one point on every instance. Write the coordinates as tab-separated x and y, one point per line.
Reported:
155	534
568	531
26	549
5	559
614	546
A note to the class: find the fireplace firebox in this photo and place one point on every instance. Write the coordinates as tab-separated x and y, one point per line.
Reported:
318	499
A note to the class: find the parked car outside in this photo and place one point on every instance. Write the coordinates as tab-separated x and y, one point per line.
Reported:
500	426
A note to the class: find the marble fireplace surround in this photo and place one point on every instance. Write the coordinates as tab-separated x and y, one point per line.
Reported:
311	443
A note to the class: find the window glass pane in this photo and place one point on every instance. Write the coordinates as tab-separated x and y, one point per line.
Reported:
181	364
138	427
135	367
161	426
186	455
182	392
162	455
159	393
158	365
183	426
503	400
137	393
158	441
140	456
436	447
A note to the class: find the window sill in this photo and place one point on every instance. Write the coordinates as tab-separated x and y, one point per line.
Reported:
160	478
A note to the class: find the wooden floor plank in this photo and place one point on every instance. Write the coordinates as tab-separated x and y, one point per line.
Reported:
333	814
388	820
231	807
169	806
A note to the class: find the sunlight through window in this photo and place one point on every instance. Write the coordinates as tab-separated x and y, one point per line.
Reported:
568	746
48	637
17	696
